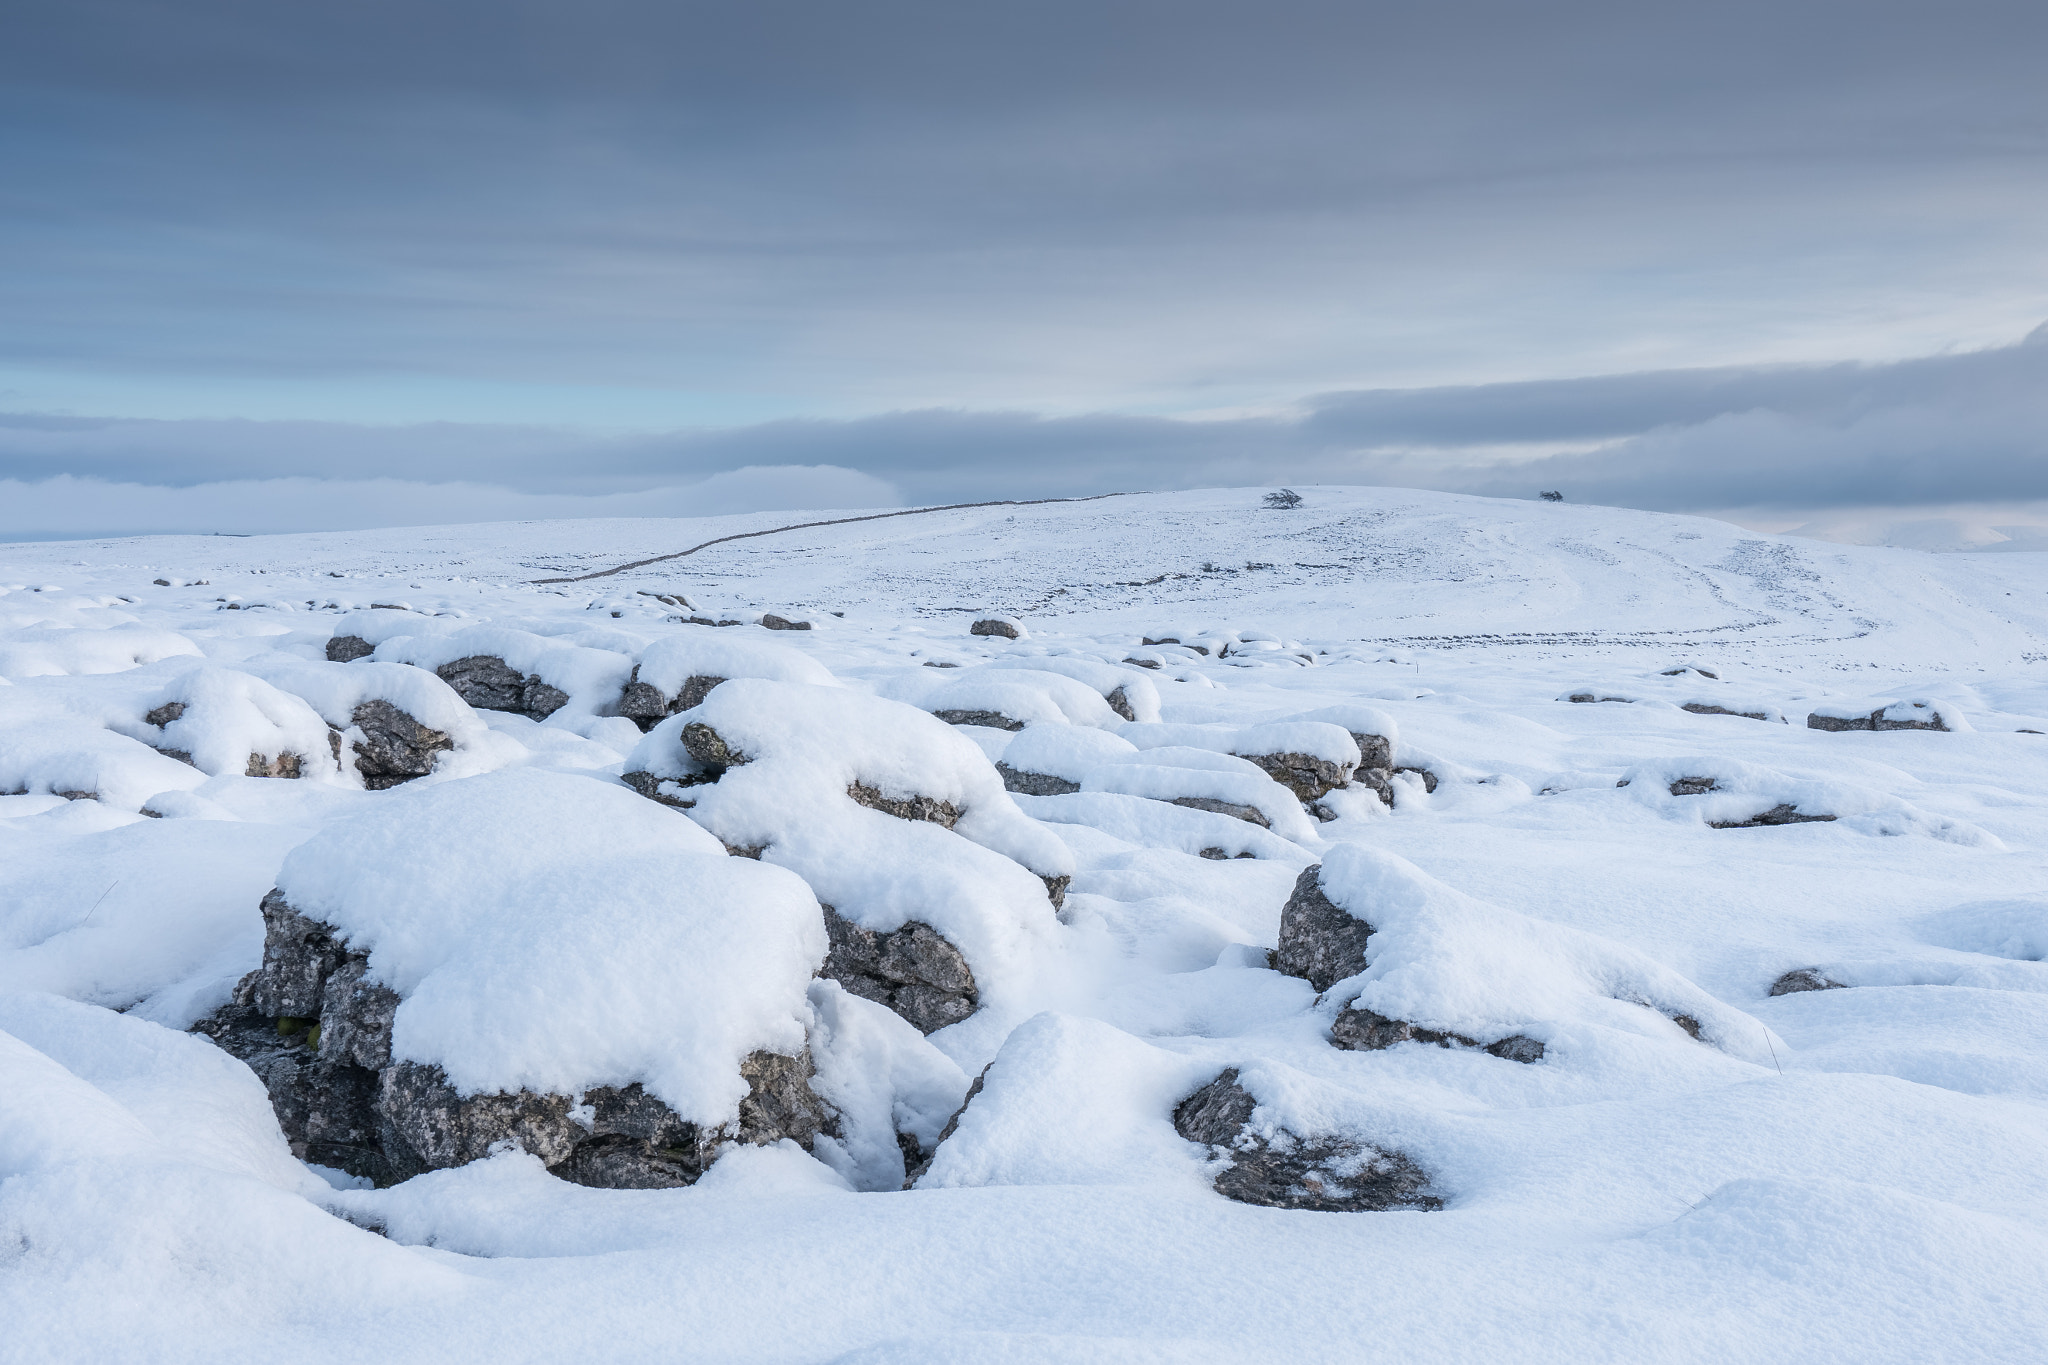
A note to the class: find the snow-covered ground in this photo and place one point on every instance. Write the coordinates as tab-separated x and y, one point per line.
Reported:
1694	1168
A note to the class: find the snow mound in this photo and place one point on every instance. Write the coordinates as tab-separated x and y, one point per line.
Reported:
1065	752
552	933
336	691
1442	960
1128	691
45	651
1157	824
1005	698
72	758
667	664
228	723
581	685
1724	794
890	815
887	1082
1206	780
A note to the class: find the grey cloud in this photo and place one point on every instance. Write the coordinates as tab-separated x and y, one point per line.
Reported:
1969	427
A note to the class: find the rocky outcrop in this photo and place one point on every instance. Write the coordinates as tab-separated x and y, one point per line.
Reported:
1700	708
1693	786
1035	784
913	971
1289	1171
488	683
993	720
1249	814
997	625
670	791
394	747
1361	1030
317	1031
346	648
644	704
1310	778
709	748
1320	942
942	813
1895	716
771	621
1780	814
1802	979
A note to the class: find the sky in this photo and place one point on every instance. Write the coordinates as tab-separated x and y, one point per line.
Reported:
278	265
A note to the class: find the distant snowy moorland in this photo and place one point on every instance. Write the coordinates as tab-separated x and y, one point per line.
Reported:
1403	927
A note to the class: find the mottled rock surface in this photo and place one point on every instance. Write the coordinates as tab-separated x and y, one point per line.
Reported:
913	970
1319	941
395	747
1308	777
1035	784
929	808
488	683
1781	814
994	720
1700	708
996	625
1249	814
1288	1171
347	648
1361	1030
773	622
317	1031
1801	979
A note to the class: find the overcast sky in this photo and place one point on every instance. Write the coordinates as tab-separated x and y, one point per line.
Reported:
351	263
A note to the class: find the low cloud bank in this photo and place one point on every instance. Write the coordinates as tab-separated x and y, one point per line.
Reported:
1807	442
65	507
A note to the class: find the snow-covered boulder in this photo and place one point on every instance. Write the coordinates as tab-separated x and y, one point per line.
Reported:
1724	794
1049	760
1131	695
1309	757
1377	935
67	651
1262	1162
899	823
677	673
393	722
1912	714
1001	698
533	957
77	760
1202	779
229	723
494	668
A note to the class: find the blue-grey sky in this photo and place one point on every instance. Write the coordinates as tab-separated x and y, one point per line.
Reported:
548	257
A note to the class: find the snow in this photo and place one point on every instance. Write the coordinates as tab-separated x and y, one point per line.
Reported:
553	933
1844	1173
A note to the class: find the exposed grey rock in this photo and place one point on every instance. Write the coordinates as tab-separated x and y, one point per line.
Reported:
1380	781
1056	888
1693	786
913	970
1249	814
183	756
1683	670
670	791
1287	1171
1804	979
165	714
1356	1029
704	744
1689	1024
347	648
1876	721
1428	777
642	703
995	625
1308	777
773	622
1120	702
994	720
1594	697
488	683
395	747
929	808
1700	708
1218	855
317	1032
262	765
1035	784
1143	663
1319	941
1781	814
1374	751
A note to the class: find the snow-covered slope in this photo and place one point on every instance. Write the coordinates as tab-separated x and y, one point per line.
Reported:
1525	953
